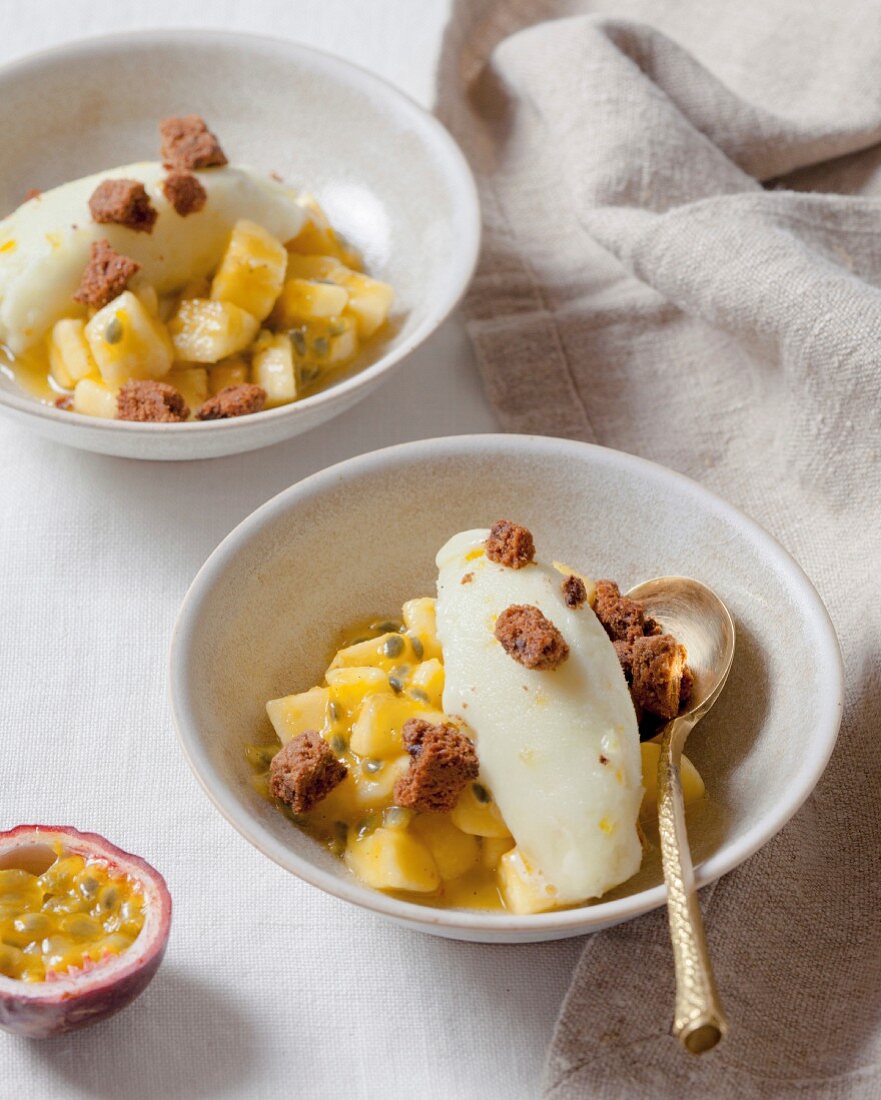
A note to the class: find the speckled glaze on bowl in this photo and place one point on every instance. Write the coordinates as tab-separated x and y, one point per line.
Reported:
360	538
389	175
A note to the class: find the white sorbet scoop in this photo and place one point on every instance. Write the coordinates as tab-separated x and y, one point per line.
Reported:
558	748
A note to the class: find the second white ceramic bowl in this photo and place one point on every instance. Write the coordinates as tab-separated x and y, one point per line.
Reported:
389	175
360	538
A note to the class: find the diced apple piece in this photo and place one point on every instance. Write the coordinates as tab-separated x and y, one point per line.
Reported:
70	357
273	368
127	342
94	399
693	787
294	714
304	300
392	859
375	789
313	267
525	888
383	652
453	851
428	677
420	619
206	331
492	848
477	813
192	382
146	294
252	270
231	372
377	730
349	686
370	301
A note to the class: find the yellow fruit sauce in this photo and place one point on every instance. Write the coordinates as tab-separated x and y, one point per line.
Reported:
383	673
74	915
283	316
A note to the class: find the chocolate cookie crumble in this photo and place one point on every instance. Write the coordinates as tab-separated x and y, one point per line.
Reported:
106	275
123	202
574	592
510	544
188	143
184	191
443	761
232	401
150	401
304	772
530	638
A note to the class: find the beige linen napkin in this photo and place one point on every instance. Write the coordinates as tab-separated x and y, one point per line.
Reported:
683	259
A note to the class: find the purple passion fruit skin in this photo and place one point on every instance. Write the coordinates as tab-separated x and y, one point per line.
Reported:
77	997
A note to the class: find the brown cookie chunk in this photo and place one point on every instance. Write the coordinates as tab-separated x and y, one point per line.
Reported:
150	401
238	400
106	275
188	143
123	202
184	191
510	544
442	762
657	671
622	618
304	772
574	592
531	638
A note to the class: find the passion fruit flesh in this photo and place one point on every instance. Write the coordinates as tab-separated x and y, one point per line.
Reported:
83	929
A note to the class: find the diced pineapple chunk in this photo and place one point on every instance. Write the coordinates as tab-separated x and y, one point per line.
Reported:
294	714
429	678
453	851
192	382
477	813
392	859
589	584
525	888
374	789
94	399
273	368
383	652
70	358
370	301
128	342
252	270
492	848
231	372
146	294
206	331
322	344
304	300
420	619
377	729
692	785
313	267
349	686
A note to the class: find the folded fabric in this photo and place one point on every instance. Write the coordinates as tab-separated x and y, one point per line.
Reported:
683	259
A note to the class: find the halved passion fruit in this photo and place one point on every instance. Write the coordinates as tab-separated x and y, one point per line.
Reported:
83	928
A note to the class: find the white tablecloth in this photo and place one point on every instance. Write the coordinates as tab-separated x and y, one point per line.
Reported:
269	989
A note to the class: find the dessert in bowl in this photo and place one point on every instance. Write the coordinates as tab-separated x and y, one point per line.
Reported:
262	622
373	189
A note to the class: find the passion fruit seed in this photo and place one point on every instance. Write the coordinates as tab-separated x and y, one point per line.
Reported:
395	684
419	695
298	339
334	711
337	744
80	926
261	755
392	647
372	766
418	648
113	332
385	626
481	793
397	817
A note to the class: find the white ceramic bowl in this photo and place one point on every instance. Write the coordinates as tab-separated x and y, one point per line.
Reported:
360	538
389	175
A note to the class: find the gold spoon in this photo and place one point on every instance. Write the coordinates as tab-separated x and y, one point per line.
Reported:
697	618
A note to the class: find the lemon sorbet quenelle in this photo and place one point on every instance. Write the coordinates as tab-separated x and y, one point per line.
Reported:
493	748
183	289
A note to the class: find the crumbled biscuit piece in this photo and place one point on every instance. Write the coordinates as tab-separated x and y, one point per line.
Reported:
531	638
623	618
185	193
156	402
624	649
658	666
510	544
106	275
304	772
32	193
123	202
65	401
442	762
467	579
240	400
188	143
574	592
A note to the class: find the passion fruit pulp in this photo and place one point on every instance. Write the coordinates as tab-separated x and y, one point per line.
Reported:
83	929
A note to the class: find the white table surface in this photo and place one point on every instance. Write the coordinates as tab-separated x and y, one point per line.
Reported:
269	989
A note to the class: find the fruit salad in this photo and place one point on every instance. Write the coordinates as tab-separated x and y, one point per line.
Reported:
483	751
185	289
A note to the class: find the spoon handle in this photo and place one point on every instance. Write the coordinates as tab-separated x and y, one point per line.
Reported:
699	1022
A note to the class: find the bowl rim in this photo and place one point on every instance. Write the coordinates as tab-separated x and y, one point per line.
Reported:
434	134
573	921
